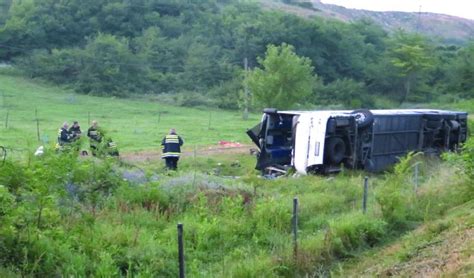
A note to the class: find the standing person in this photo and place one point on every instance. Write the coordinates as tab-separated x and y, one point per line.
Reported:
171	149
95	137
64	137
75	131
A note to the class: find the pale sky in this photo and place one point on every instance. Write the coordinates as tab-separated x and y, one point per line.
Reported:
461	8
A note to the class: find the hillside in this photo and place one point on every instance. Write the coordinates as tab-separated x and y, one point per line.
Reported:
444	247
135	124
194	51
99	218
450	29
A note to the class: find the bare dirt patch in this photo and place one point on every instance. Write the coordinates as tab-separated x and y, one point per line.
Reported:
145	156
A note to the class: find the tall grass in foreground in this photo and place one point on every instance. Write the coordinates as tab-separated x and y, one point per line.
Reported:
68	217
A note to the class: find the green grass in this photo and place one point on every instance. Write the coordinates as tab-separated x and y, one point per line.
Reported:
135	124
132	123
440	247
234	227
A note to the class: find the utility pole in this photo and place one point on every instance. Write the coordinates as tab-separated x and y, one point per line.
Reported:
418	20
246	91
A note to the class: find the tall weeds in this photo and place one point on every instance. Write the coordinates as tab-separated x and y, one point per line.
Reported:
63	216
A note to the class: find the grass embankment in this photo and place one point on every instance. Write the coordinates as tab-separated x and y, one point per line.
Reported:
69	217
443	247
133	124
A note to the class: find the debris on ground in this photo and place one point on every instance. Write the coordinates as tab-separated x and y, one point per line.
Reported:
229	144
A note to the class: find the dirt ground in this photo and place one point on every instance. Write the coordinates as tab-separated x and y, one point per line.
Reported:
144	156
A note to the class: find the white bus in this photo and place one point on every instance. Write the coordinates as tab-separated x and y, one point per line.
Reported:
324	141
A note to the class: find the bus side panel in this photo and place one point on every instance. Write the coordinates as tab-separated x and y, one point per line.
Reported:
300	151
394	136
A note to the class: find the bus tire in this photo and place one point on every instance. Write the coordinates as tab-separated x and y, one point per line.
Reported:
335	150
363	117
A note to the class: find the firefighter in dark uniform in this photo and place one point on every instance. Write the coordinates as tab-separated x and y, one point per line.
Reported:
95	137
171	149
75	131
64	137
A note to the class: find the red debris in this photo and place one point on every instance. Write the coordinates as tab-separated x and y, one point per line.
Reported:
229	144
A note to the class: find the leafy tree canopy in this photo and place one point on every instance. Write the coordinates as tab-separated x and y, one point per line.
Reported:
284	79
196	49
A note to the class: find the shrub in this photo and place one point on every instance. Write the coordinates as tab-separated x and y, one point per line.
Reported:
355	231
468	158
12	176
270	215
254	266
150	197
91	177
350	93
396	195
343	237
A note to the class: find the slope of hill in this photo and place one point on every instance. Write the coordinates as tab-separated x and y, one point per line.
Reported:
135	124
444	247
451	29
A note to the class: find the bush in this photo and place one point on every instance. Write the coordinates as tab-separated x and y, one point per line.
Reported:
149	197
343	237
468	158
59	66
12	176
355	231
271	215
186	99
350	93
396	195
226	95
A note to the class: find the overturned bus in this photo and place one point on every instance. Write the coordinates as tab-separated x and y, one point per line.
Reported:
326	141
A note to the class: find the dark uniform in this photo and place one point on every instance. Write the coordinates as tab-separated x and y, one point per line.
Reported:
64	137
75	132
95	138
171	150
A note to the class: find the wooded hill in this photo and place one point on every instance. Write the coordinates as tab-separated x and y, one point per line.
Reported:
191	52
449	29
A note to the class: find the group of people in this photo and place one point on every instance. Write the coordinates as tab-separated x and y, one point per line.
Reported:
67	136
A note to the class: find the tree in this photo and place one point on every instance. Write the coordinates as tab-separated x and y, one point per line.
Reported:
411	56
461	72
4	7
283	80
344	92
109	68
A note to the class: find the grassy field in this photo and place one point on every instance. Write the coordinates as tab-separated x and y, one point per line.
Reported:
133	124
64	216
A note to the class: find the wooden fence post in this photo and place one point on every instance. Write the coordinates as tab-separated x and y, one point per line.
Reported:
37	125
295	228
181	251
366	191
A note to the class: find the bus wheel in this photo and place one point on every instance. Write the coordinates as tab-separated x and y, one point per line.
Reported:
363	117
335	150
